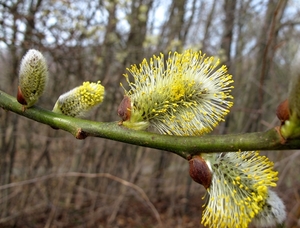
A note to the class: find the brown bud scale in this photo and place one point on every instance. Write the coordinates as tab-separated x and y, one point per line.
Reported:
124	109
282	111
199	171
20	97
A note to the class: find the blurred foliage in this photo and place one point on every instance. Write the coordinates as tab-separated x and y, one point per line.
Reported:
97	40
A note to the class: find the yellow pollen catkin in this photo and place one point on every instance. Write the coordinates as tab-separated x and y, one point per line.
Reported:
233	192
186	94
79	101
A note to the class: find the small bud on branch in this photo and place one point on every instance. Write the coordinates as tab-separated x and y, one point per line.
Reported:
33	77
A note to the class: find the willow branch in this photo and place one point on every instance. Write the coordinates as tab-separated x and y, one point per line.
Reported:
180	145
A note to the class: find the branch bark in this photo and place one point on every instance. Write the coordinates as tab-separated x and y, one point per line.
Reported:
184	146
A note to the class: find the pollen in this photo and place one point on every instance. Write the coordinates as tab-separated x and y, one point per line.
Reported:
234	191
79	101
185	94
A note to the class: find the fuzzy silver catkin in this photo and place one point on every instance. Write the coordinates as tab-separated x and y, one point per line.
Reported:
33	78
273	212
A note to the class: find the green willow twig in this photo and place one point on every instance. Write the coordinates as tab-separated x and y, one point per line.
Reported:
184	146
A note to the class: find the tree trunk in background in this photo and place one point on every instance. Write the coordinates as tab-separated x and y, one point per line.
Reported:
189	21
108	50
208	25
172	32
29	36
266	44
226	42
138	30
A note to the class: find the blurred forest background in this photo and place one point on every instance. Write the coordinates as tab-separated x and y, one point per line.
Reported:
96	40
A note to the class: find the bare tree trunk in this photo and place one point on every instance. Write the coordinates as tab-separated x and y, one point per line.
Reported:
229	9
138	29
266	43
189	22
173	28
108	50
209	21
